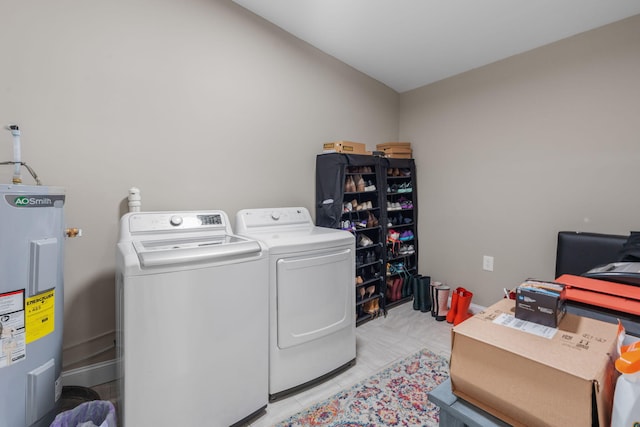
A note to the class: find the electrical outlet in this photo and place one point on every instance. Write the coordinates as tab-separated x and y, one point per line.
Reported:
487	263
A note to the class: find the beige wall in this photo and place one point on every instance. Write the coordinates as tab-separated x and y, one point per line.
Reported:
199	103
511	153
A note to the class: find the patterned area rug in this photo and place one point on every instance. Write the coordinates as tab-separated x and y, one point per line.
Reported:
396	396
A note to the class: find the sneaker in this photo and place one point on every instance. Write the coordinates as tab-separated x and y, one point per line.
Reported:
406	250
361	224
406	204
406	235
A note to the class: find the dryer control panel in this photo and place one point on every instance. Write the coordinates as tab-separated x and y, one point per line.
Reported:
263	218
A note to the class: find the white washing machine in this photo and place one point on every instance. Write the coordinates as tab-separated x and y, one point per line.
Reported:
192	316
311	296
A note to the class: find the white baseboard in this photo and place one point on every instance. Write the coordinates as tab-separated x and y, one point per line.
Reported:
92	375
475	308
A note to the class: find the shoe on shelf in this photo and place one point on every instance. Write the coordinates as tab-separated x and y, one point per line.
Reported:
349	185
390	289
406	235
370	186
371	257
372	221
364	241
370	290
406	204
361	224
393	206
359	183
359	280
393	235
373	307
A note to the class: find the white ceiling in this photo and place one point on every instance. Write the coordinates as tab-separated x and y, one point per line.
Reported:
406	44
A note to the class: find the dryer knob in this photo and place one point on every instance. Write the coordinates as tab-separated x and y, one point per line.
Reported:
176	220
275	215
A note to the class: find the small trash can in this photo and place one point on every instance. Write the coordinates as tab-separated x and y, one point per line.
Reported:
95	413
74	395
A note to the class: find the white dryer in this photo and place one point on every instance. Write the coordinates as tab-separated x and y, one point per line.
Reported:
311	296
191	320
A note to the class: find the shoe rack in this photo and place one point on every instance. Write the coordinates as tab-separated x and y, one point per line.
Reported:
400	229
375	199
360	215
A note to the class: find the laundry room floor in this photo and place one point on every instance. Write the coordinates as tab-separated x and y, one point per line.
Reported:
379	343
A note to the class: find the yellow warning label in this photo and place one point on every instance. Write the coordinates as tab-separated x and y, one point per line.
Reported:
40	310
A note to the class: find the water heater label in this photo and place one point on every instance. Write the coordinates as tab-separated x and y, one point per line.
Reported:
35	200
40	310
12	340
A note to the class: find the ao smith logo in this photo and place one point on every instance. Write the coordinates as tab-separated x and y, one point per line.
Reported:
33	201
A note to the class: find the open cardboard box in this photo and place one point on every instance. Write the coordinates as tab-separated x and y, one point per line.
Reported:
527	379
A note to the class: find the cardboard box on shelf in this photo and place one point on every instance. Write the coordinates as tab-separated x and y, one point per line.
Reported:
347	147
393	155
405	145
396	150
527	374
540	302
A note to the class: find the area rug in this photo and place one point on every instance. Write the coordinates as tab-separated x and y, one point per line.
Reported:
396	396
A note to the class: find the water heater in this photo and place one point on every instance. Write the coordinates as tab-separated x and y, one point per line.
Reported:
31	303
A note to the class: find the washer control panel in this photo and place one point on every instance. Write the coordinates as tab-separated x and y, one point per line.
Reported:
166	221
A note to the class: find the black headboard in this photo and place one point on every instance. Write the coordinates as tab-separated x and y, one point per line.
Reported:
579	252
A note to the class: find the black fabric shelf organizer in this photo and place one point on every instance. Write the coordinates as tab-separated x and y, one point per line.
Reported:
382	213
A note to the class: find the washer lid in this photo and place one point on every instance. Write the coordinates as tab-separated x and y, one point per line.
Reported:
154	253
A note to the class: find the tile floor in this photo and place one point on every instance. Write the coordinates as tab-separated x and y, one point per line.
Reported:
379	343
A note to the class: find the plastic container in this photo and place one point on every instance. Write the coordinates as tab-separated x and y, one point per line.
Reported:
626	401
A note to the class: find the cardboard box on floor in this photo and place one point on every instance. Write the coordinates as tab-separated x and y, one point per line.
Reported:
526	379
